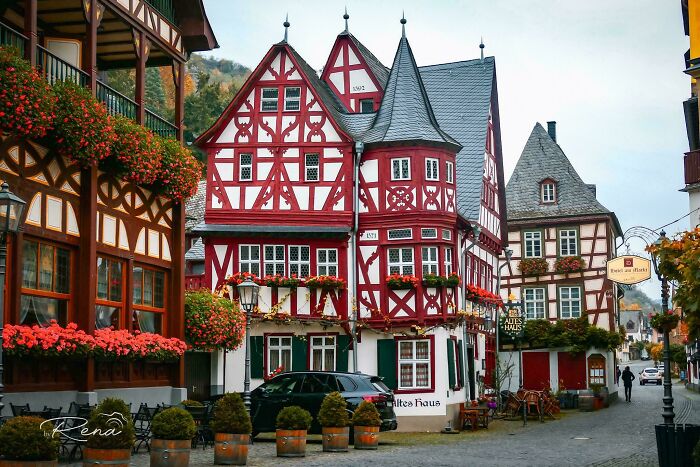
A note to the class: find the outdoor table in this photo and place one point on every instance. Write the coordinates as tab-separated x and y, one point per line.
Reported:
476	416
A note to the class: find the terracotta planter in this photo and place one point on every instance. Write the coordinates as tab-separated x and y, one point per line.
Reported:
335	439
291	443
366	437
598	403
231	449
111	457
9	463
170	452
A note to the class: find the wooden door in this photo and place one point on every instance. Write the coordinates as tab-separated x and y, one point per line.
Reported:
536	370
198	375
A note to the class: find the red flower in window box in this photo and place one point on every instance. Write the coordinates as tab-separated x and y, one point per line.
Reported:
180	171
567	264
239	277
325	282
279	280
397	281
533	266
50	341
137	152
482	296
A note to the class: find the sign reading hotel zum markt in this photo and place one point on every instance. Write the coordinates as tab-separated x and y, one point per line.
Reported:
629	269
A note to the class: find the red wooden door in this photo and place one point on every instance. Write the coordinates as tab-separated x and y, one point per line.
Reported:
572	370
536	370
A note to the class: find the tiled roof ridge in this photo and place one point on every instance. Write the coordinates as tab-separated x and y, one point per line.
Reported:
456	64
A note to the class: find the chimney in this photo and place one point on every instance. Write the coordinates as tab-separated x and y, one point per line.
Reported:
552	130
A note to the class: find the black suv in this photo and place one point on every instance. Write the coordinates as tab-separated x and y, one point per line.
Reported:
307	390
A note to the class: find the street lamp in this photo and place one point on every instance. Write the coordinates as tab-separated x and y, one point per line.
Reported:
11	208
248	298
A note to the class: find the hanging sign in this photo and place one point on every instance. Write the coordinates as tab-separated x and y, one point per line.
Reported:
513	321
628	269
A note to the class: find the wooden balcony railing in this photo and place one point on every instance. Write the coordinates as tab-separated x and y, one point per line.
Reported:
692	167
165	8
12	38
55	69
116	103
160	126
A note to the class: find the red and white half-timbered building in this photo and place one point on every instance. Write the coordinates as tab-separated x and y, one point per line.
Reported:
359	174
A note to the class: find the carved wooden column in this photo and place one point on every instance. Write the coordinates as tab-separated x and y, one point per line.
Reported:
30	30
141	47
176	317
93	15
179	79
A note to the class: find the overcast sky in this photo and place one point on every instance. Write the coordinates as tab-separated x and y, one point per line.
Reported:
609	72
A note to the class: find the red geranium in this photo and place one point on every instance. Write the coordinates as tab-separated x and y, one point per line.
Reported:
482	296
137	150
325	282
50	341
212	323
569	264
397	281
180	172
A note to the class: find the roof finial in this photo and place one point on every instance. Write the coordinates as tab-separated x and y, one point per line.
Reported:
286	26
481	46
346	16
403	24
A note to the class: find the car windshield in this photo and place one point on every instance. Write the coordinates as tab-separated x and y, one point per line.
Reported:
650	370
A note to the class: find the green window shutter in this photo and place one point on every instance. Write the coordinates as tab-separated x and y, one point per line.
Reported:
257	352
460	349
341	356
299	350
386	361
451	364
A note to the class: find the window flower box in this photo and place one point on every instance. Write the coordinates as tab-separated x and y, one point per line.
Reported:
482	296
325	282
401	281
281	281
239	277
533	266
568	264
453	280
433	280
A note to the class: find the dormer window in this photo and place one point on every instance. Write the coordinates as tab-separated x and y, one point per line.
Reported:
548	192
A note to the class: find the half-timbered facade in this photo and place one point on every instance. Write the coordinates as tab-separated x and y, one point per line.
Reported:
361	172
561	238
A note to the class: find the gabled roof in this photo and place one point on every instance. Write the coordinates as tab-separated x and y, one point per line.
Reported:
405	113
542	158
196	251
194	207
376	67
460	95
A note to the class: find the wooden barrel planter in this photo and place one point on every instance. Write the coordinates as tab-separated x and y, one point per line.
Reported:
585	400
9	463
335	439
366	437
170	452
230	449
111	457
291	443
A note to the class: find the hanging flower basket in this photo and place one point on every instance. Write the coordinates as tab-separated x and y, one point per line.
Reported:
401	282
325	282
664	321
281	281
180	172
568	264
212	323
533	266
136	151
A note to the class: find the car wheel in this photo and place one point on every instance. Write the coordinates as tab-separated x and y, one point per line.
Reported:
641	383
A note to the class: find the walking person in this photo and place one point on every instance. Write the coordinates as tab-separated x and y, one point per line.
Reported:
627	378
617	375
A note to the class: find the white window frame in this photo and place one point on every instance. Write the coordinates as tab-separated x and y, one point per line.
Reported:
431	265
446	234
432	169
264	100
548	193
293	99
429	233
535	302
324	347
245	265
274	261
447	261
568	243
408	237
326	267
450	172
278	348
308	167
397	168
404	265
566	302
247	165
413	362
532	238
299	263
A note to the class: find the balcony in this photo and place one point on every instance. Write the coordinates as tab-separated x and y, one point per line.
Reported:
692	167
165	8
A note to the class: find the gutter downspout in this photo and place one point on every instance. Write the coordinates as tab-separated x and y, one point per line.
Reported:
477	231
359	149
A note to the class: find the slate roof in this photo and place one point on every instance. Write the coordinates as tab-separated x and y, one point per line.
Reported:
460	95
380	71
543	158
196	251
194	207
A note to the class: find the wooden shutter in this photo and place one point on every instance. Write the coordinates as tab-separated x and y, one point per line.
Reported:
257	352
341	355
299	354
451	364
386	361
460	349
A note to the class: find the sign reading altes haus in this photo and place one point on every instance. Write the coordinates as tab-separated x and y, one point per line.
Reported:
628	269
513	322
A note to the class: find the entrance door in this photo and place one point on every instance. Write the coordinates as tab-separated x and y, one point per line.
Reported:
198	375
470	373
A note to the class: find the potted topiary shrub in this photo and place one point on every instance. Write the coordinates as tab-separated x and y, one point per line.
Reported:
111	434
292	424
173	430
25	442
366	422
334	421
232	427
191	403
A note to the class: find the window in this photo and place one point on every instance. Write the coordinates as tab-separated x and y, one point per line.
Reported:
311	167
327	261
414	364
534	303
401	260
46	271
533	244
469	268
148	300
366	106
568	242
548	192
448	261
292	97
274	260
450	172
400	169
569	302
483	283
110	282
249	259
428	233
269	99
400	234
323	353
245	167
596	369
431	169
299	261
279	353
430	260
446	234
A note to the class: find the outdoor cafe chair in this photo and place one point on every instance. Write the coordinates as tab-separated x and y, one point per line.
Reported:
18	410
143	419
199	415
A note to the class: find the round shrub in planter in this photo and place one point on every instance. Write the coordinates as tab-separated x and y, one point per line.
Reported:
366	422
232	427
173	430
334	420
112	434
24	441
292	424
191	403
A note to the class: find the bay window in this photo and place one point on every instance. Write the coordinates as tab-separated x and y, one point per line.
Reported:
327	261
448	261
430	260
149	299
46	272
401	261
110	283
